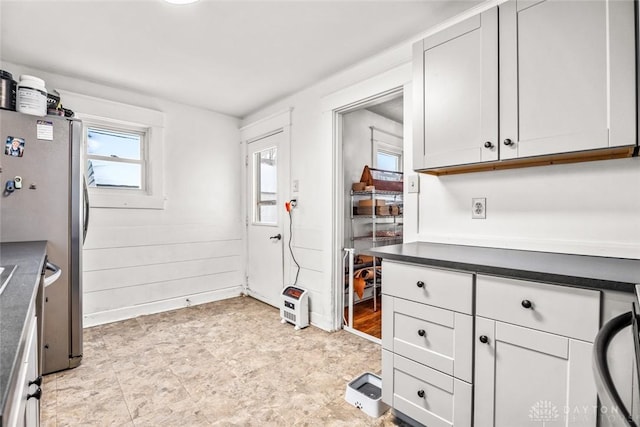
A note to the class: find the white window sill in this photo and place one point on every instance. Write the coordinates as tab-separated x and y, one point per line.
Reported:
101	199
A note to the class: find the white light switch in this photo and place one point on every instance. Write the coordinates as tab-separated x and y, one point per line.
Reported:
294	186
413	183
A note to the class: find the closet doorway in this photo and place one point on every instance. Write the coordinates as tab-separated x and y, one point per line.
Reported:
371	137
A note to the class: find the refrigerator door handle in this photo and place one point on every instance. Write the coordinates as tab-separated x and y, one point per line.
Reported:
85	224
57	272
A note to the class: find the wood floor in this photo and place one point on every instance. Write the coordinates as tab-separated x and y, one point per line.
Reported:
365	319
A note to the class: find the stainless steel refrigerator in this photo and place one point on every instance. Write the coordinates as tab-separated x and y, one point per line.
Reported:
42	155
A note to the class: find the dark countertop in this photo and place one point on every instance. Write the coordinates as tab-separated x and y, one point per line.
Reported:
15	302
583	271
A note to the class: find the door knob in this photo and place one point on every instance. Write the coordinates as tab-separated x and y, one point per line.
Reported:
488	144
526	303
508	142
422	332
420	284
277	236
484	339
421	394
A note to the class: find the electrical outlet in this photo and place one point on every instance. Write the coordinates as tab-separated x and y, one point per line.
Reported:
479	208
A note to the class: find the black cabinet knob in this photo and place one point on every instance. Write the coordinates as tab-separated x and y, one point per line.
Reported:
36	395
421	332
507	142
526	303
37	381
484	339
421	393
488	144
420	284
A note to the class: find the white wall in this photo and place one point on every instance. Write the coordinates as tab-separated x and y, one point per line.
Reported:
312	164
139	261
587	208
584	208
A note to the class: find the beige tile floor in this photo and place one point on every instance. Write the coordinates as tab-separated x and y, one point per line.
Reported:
225	363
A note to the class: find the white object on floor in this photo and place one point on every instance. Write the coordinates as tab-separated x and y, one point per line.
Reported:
295	307
365	393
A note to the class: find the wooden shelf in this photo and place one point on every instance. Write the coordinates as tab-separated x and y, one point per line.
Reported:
580	156
377	239
376	193
377	216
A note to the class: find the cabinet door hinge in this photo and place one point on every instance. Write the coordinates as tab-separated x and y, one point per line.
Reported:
246	161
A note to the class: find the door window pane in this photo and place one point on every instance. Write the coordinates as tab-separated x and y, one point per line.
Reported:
265	188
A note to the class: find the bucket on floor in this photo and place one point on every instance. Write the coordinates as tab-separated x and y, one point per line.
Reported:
365	392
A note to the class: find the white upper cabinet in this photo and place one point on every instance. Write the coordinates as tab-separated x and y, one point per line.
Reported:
456	93
567	76
564	81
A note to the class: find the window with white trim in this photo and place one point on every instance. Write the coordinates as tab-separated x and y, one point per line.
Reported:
123	152
116	156
387	157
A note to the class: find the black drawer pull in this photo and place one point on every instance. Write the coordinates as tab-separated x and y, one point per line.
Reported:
421	393
421	332
526	303
484	339
420	284
37	394
37	381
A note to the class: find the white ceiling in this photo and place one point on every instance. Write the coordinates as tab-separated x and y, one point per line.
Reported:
392	109
227	56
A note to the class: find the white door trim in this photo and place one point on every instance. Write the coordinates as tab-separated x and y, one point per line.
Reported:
388	83
278	122
265	126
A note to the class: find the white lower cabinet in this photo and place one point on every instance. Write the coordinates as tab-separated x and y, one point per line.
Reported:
427	340
519	354
524	376
533	345
424	394
24	405
441	339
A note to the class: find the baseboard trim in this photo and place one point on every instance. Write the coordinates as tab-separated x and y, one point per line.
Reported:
316	319
363	335
320	321
109	316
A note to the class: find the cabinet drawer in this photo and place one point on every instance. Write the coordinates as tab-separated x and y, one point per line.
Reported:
442	288
441	339
561	310
428	396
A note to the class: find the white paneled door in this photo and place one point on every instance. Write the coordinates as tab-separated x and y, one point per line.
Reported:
265	236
